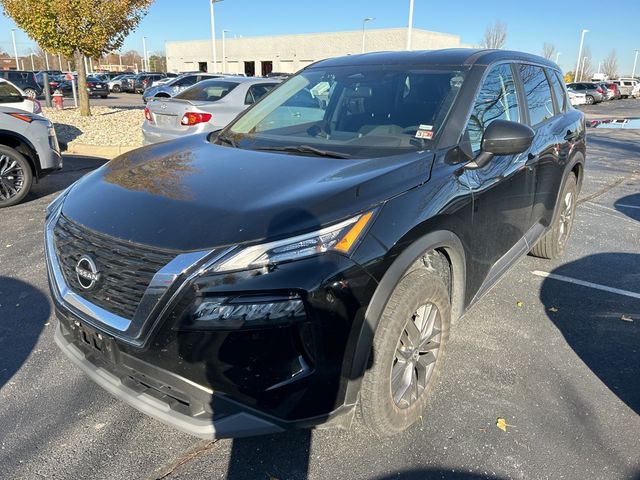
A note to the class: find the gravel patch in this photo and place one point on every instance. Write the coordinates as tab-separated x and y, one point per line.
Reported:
106	126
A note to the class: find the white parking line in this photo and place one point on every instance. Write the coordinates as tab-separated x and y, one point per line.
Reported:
626	206
597	286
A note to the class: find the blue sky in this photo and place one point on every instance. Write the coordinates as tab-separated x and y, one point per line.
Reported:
554	21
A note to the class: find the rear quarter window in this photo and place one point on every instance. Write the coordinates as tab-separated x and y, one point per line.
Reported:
537	93
558	90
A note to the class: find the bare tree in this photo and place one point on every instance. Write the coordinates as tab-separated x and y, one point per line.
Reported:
610	65
548	50
495	36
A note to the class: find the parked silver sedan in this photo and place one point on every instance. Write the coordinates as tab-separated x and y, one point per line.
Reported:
207	106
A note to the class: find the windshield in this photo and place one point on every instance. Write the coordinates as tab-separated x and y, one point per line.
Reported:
9	94
207	91
359	111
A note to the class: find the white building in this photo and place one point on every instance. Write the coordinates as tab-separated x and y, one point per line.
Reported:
289	53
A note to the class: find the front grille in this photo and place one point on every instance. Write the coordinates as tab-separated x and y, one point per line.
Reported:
126	268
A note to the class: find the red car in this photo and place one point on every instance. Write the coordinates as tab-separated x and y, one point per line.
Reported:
612	87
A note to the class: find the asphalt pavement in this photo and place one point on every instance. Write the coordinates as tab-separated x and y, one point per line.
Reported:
554	349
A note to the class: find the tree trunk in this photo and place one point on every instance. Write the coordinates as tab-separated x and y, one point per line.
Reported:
83	95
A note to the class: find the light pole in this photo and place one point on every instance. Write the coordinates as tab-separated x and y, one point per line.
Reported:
558	56
120	59
33	67
364	22
635	61
213	35
584	61
599	66
46	60
59	62
224	51
580	53
15	50
410	25
145	60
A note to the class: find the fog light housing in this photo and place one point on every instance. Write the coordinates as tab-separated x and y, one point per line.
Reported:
224	313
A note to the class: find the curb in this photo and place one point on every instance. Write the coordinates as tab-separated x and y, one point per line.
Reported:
102	151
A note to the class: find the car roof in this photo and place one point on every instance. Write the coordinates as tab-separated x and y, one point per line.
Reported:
449	56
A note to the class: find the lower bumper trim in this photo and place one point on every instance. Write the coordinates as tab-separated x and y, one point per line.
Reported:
241	424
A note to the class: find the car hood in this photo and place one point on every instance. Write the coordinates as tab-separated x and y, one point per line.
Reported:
189	194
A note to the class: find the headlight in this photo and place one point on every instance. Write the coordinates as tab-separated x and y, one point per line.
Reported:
341	238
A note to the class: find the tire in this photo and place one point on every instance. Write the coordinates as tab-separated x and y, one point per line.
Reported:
590	100
383	408
30	92
554	242
16	177
116	89
104	96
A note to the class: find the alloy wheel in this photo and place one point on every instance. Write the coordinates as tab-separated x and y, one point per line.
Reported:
30	92
11	178
566	218
415	356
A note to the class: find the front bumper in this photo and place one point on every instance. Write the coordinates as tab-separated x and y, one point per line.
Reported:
226	382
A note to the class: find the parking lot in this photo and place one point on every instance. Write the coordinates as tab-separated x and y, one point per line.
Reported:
554	349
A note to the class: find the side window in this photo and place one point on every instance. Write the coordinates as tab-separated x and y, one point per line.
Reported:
256	92
497	100
186	81
537	93
558	89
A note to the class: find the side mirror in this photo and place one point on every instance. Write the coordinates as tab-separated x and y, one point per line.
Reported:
502	137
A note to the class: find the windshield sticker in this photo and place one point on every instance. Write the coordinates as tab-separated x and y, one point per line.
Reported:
425	132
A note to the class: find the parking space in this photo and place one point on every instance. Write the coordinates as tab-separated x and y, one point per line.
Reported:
554	349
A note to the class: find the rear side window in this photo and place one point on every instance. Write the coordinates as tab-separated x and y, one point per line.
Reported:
9	94
497	100
256	92
558	89
537	93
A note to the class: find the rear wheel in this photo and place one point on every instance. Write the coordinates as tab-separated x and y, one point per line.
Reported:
590	100
104	96
407	353
30	92
554	242
16	177
116	89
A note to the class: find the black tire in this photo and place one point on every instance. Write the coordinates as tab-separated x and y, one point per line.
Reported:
16	177
30	92
380	408
554	242
104	96
116	89
590	100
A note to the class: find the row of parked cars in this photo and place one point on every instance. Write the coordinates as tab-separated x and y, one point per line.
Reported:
593	92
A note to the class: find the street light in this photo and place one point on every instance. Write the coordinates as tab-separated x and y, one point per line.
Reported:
364	22
15	50
635	61
599	66
580	54
584	61
213	35
410	26
145	60
224	51
33	67
558	56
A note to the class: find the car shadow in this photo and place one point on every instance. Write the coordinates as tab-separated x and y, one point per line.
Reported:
629	205
24	310
602	327
66	133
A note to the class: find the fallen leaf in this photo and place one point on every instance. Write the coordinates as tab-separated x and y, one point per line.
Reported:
520	304
553	309
626	318
502	424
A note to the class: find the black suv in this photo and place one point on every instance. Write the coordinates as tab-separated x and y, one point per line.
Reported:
307	261
24	80
143	81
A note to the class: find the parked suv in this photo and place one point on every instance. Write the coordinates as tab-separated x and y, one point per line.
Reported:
144	80
308	260
29	151
24	80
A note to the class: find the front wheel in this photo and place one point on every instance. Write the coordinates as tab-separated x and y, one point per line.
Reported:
30	92
407	353
116	89
16	177
590	100
554	242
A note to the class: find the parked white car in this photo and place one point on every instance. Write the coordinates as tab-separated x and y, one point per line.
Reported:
13	97
577	98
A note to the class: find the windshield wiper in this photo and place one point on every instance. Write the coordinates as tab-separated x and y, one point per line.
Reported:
306	149
227	140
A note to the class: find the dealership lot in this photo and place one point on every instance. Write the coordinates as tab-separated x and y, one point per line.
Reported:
555	353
